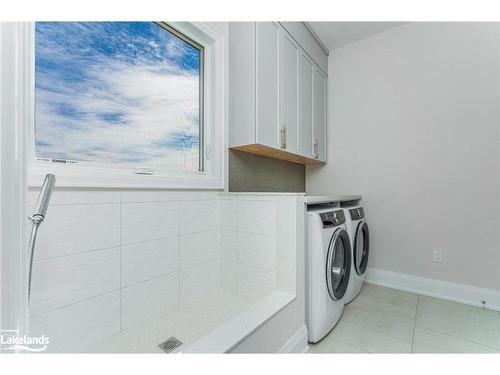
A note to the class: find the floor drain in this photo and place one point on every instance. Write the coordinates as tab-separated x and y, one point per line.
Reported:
170	344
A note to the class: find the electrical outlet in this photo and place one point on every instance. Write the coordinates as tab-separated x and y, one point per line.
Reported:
438	257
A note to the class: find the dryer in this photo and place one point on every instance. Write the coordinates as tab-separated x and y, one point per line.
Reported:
328	266
359	235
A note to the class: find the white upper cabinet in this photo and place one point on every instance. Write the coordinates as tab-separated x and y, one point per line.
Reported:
289	118
242	83
267	83
274	92
319	114
306	138
307	43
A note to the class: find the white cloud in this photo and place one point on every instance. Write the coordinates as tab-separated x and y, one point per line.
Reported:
156	102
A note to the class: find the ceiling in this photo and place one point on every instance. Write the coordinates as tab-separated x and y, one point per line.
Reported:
338	34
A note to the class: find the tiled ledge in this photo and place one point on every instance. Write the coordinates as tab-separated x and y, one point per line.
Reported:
234	331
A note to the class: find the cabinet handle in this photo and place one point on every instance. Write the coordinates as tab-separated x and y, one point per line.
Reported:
316	153
283	137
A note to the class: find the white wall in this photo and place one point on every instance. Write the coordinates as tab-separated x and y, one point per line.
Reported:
413	127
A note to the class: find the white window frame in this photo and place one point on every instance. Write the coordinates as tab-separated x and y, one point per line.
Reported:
213	38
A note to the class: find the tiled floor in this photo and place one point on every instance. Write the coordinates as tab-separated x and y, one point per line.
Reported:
382	320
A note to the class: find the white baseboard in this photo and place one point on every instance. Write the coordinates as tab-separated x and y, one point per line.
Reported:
456	292
297	343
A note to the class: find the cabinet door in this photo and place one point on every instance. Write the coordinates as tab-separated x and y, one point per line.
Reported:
319	114
306	138
267	84
289	53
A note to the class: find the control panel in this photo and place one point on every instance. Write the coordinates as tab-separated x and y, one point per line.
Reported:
332	218
357	213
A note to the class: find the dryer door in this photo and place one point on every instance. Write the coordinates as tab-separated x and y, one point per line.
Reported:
361	247
338	264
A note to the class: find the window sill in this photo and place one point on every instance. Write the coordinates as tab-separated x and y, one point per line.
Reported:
71	178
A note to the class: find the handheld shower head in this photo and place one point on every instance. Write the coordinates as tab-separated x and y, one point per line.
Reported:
37	218
43	201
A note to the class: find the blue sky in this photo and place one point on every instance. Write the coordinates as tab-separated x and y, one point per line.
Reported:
120	92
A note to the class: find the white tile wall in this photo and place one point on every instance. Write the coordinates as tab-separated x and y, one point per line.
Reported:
197	216
146	260
257	250
228	275
72	328
149	196
198	195
255	282
149	221
228	245
108	260
61	281
77	228
76	196
147	299
199	248
257	217
228	214
256	246
199	280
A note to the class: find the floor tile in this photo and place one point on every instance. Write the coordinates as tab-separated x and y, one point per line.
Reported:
389	296
400	329
368	340
457	311
329	345
383	320
426	341
384	308
479	335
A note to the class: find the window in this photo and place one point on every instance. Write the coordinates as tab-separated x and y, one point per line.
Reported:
126	95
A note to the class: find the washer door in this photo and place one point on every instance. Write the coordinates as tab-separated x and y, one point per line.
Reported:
338	264
361	247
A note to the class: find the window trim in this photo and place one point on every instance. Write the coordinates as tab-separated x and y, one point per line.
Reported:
201	48
213	39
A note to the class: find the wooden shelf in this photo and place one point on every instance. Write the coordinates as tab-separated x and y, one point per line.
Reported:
277	154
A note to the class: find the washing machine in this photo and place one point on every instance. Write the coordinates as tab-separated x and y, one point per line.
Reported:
328	265
359	235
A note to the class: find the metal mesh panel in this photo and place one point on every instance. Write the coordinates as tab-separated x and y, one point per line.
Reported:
256	173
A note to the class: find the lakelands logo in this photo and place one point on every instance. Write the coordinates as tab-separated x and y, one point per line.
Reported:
10	340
